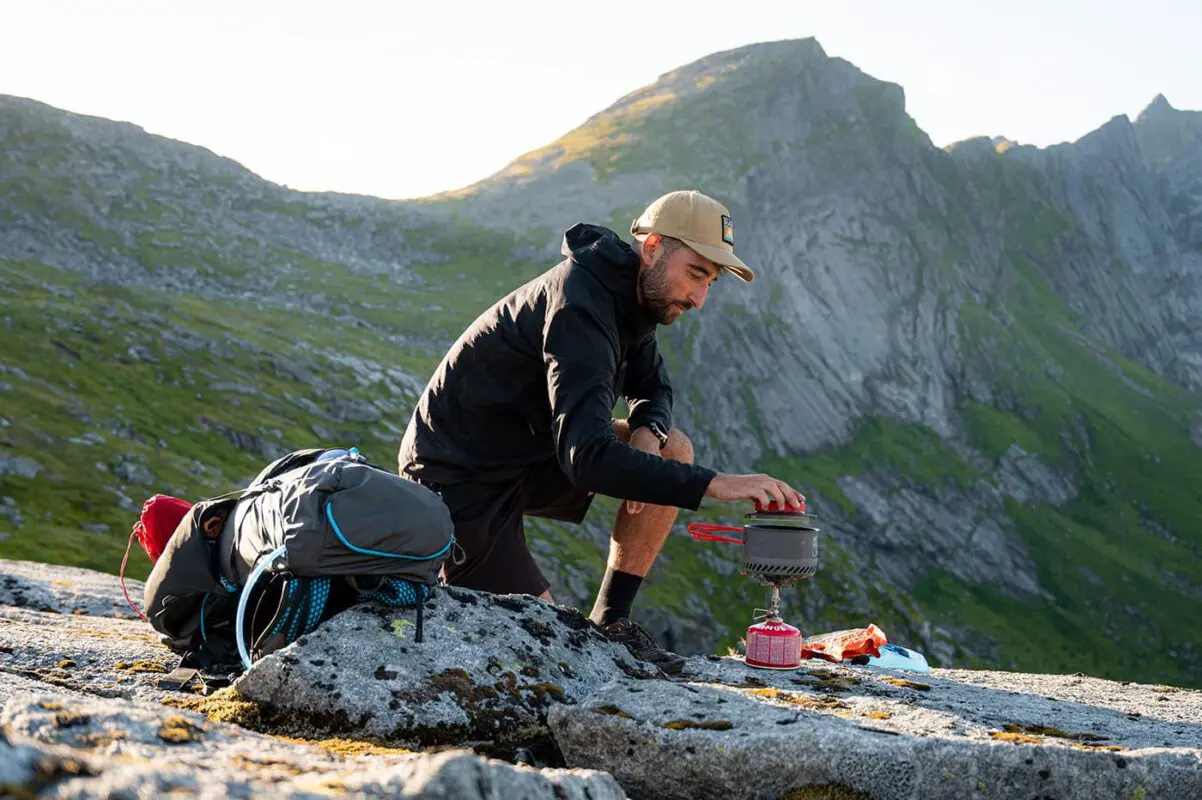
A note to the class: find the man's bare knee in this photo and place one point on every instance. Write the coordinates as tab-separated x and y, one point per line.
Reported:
678	448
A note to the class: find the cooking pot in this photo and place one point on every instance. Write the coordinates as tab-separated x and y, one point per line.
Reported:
778	546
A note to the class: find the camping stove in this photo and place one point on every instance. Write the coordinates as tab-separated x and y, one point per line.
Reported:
779	548
773	643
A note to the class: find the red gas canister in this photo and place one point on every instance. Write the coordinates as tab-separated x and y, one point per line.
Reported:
773	644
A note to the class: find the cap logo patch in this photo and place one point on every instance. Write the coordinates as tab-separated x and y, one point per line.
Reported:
728	230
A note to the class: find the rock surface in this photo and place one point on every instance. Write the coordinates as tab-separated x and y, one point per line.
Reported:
888	734
66	590
486	671
359	708
83	714
67	747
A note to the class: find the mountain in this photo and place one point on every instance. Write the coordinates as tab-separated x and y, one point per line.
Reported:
981	363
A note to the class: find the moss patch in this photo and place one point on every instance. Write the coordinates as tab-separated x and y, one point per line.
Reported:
101	738
71	719
907	684
702	724
1047	730
252	763
356	747
141	666
178	730
1015	738
828	681
819	703
1109	748
226	705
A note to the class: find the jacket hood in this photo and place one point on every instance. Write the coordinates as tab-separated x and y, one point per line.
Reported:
596	246
613	263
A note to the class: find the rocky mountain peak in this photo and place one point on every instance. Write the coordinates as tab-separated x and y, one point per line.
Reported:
1170	140
1158	109
713	124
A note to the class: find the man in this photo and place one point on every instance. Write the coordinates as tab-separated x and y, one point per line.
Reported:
516	420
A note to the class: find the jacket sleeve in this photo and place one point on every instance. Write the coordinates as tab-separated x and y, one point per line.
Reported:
647	389
580	353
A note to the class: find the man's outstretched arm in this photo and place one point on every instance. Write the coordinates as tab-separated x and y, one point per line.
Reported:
580	355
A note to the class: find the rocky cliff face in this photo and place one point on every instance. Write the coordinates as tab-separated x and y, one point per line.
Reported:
1127	259
981	364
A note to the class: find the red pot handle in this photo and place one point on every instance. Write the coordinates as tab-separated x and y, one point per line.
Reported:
703	532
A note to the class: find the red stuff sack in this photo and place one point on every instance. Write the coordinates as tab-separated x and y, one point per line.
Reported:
161	515
842	645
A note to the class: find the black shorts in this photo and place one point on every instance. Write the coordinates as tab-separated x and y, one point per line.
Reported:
488	527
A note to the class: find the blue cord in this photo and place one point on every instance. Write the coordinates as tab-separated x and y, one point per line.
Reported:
365	551
203	636
244	598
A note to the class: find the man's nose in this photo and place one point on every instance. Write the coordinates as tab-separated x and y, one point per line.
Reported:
697	296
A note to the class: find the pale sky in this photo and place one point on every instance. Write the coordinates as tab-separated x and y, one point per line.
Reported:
402	99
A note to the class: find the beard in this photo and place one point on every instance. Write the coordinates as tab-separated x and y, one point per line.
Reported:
654	294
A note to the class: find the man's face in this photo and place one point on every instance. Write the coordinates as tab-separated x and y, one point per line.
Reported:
677	279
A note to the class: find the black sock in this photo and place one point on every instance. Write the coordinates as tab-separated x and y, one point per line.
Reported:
615	597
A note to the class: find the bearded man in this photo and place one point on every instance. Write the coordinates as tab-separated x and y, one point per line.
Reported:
517	418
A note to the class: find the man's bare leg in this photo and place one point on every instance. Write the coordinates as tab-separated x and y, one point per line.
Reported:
636	541
638	538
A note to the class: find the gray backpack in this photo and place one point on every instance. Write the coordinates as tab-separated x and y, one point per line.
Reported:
315	532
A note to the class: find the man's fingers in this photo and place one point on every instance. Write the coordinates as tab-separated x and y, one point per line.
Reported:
791	495
634	506
778	492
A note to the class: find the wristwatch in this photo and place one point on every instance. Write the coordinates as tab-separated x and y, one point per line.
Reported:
659	432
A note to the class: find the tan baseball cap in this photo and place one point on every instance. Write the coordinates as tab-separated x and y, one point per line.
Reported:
701	222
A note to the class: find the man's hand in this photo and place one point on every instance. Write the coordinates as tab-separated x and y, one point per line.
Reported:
763	489
642	439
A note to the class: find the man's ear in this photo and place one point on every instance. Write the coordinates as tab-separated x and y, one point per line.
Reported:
651	244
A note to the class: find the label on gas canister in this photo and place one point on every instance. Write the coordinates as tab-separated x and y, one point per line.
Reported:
776	648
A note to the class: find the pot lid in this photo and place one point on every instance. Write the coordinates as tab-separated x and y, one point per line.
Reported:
783	519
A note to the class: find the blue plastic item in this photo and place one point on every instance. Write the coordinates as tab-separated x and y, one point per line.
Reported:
895	657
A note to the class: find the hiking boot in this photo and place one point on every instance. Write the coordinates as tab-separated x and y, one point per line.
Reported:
640	644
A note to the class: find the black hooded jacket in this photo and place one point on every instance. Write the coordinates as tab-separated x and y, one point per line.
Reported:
536	376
